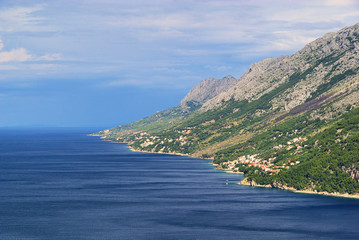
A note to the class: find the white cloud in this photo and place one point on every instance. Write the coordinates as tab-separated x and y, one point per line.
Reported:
50	57
21	55
15	55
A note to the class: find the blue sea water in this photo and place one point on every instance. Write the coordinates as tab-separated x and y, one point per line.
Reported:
63	184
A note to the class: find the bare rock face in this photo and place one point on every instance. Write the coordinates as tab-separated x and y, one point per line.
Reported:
317	64
260	76
354	173
208	88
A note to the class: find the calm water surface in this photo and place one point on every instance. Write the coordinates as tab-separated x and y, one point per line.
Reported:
62	184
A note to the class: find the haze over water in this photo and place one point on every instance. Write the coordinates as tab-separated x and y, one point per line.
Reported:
62	184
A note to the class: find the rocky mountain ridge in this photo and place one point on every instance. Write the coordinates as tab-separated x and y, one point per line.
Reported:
266	75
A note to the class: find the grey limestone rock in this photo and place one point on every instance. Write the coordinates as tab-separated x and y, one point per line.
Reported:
207	89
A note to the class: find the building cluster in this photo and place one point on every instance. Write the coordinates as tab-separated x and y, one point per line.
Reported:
151	140
250	161
185	131
267	165
294	143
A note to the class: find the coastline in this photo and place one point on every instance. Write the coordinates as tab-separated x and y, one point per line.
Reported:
136	150
244	181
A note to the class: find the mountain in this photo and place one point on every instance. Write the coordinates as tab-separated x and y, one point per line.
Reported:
289	122
318	62
208	89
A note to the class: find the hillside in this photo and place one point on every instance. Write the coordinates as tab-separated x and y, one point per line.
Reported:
289	122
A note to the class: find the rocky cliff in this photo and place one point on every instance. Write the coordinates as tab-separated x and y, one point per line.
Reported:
207	89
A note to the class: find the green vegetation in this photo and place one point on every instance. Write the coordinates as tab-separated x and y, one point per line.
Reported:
330	153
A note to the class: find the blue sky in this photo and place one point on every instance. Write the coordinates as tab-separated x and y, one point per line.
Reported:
109	62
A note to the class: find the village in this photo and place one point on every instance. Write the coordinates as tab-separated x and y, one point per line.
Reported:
151	140
267	165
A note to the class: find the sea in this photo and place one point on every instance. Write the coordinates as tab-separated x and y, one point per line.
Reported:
63	184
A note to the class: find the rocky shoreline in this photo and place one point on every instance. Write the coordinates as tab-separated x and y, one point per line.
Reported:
277	185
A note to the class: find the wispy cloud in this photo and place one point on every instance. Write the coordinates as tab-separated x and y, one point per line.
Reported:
50	57
236	22
20	18
117	37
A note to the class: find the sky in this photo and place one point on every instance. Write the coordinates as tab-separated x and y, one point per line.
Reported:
102	63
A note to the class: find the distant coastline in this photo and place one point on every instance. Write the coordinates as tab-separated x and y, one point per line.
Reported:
244	181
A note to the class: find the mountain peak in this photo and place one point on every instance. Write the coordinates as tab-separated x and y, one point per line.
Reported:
208	88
